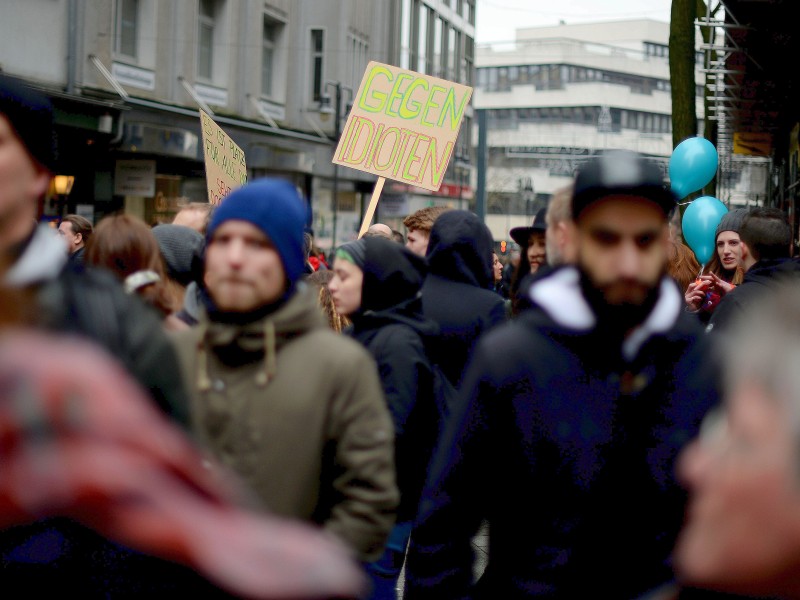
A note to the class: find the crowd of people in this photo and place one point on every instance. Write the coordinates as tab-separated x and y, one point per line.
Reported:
213	407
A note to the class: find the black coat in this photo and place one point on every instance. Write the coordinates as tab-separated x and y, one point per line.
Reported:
458	292
566	443
759	279
391	326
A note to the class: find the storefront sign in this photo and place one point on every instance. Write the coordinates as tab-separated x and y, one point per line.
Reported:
403	126
225	163
135	178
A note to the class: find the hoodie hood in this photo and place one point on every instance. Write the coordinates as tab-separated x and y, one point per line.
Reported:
460	249
390	293
392	274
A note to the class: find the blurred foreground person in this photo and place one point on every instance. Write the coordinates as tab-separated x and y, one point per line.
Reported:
56	554
572	416
742	530
82	440
293	407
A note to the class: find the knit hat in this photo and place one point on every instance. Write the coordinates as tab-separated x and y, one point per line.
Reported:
731	221
522	234
276	208
182	248
355	252
620	172
30	114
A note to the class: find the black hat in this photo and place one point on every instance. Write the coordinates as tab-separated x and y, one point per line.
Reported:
521	234
620	172
30	114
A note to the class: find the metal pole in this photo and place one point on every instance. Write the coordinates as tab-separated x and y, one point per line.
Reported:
336	133
480	197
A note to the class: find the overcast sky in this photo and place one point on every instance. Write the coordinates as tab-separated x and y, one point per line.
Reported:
497	19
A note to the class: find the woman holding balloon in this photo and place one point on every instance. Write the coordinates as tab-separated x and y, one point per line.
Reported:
724	271
708	229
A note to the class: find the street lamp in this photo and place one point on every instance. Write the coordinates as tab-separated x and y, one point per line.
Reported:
341	92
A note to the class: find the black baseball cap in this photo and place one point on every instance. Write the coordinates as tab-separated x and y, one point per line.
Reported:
621	172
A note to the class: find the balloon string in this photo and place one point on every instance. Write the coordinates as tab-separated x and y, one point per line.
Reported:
684	203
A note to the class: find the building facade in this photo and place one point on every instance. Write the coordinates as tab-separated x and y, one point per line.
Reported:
563	93
127	78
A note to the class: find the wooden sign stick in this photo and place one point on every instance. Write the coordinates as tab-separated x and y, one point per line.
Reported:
373	202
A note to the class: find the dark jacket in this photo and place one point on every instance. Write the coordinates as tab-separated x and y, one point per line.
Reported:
78	257
566	444
457	293
57	556
391	327
760	278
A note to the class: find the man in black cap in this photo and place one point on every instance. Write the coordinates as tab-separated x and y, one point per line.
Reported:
571	417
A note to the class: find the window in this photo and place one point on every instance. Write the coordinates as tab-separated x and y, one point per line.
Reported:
359	50
127	13
205	39
469	59
438	67
269	41
317	51
422	40
452	58
469	7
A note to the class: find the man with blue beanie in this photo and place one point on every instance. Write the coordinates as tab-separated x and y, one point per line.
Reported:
296	409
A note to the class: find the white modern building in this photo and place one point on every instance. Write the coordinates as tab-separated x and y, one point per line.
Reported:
560	94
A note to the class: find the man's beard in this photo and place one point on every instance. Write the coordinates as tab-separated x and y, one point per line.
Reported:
615	310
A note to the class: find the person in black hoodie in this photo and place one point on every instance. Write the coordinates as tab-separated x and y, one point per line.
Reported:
376	283
458	292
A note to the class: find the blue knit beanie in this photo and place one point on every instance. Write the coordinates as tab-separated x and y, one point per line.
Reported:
276	208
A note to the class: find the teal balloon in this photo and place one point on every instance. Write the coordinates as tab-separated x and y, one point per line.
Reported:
699	224
692	165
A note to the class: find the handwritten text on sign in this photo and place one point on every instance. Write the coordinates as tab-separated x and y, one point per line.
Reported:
403	125
225	165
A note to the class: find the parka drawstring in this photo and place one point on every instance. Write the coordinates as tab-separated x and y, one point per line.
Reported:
203	380
264	377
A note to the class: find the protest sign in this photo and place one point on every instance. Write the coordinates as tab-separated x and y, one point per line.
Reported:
403	126
224	160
